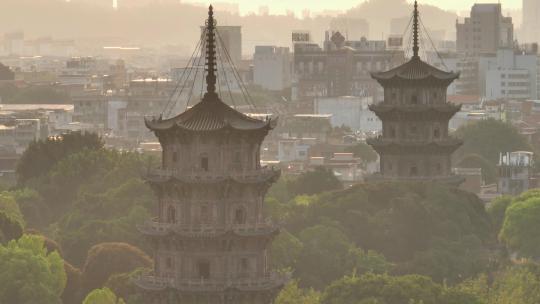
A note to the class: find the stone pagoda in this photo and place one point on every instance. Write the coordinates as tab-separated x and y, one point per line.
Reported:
415	144
210	238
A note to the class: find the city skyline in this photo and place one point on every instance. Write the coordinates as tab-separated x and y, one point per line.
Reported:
282	6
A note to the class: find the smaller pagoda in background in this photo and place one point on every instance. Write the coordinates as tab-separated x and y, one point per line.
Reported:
415	144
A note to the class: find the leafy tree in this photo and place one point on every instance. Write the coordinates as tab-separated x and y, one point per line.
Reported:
373	288
490	137
424	228
489	170
102	296
292	294
10	228
107	259
72	291
316	181
521	228
328	254
28	274
497	211
122	285
41	156
286	249
518	285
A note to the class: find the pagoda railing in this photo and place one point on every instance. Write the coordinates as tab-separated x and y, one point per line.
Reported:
154	227
200	175
270	280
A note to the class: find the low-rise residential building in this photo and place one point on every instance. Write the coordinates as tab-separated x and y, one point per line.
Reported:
349	111
515	172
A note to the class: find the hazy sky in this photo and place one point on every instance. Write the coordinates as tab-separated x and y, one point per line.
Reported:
280	6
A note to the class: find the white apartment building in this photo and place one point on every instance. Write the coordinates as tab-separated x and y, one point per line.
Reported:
508	75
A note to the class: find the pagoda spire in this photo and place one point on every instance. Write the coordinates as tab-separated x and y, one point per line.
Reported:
210	52
416	48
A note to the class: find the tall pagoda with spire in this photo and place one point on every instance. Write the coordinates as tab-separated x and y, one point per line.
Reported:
415	144
210	237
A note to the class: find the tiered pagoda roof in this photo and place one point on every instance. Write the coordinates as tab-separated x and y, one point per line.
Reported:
211	114
415	70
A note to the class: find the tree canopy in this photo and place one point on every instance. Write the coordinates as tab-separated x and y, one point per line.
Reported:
41	156
521	228
102	296
490	137
28	274
318	180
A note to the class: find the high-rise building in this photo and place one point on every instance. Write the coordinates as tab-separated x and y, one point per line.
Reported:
531	21
272	67
485	31
211	240
231	37
340	68
415	142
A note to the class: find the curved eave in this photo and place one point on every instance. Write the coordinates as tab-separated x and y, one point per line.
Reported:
385	79
451	108
168	125
379	144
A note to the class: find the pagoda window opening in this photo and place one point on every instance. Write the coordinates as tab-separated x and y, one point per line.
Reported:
169	263
413	171
204	162
240	216
392	132
437	133
438	168
174	156
171	215
244	266
237	160
205	214
414	99
203	270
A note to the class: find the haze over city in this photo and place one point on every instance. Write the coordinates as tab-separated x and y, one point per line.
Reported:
269	152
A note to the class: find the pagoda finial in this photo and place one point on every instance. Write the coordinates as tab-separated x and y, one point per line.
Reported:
210	52
416	48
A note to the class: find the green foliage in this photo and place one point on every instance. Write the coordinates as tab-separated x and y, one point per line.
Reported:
521	228
107	259
489	169
497	211
28	274
41	156
327	254
122	285
286	249
422	228
10	228
72	291
385	289
312	182
490	137
292	294
102	296
364	152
